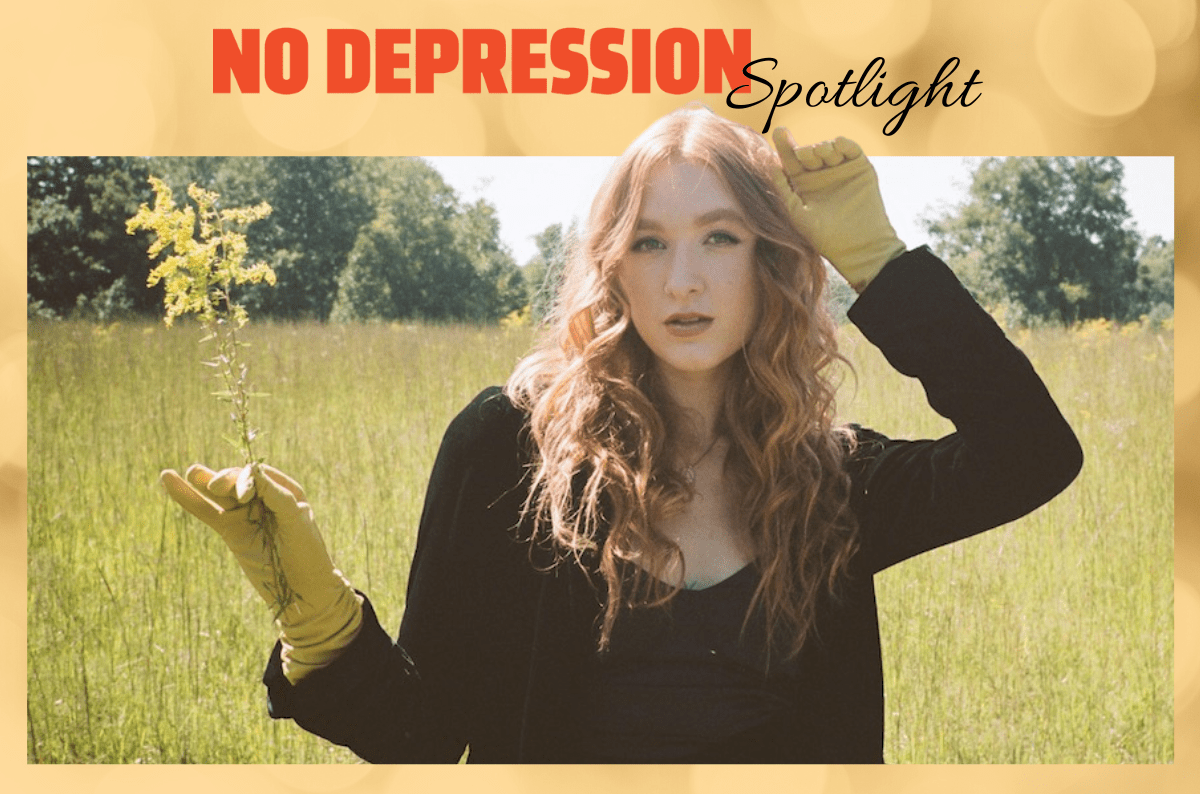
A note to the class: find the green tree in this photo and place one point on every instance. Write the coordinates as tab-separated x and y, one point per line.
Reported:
407	263
317	213
180	171
81	262
1049	236
500	286
1156	277
349	238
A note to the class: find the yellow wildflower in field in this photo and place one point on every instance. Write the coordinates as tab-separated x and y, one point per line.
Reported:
1094	331
518	318
199	272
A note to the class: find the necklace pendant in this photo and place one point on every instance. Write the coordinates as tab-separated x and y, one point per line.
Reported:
689	472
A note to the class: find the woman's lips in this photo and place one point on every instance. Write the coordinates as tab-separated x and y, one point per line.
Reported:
685	326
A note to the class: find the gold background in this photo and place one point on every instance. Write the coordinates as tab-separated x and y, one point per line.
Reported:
1058	77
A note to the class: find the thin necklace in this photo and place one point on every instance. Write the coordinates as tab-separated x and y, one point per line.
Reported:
689	471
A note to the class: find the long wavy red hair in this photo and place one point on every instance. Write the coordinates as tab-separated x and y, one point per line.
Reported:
600	422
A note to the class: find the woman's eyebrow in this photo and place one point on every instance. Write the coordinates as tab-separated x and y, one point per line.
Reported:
720	214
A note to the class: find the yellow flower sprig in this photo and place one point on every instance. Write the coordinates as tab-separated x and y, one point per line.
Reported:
199	273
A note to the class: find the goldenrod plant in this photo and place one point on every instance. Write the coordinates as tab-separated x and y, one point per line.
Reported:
199	273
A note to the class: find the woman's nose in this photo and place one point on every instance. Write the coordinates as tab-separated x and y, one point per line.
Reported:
683	277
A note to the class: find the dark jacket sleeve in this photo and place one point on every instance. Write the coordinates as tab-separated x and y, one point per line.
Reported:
375	699
1011	451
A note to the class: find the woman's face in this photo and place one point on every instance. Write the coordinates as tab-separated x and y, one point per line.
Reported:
689	274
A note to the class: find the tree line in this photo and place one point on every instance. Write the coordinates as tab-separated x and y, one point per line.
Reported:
348	238
1048	239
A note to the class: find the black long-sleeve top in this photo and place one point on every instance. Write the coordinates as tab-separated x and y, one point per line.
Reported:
492	639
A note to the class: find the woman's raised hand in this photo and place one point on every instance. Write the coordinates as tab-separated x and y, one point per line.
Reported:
833	197
326	613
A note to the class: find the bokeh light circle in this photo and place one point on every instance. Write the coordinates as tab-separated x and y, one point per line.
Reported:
536	121
446	122
1169	22
859	28
1097	55
1177	69
106	91
13	438
312	119
1187	339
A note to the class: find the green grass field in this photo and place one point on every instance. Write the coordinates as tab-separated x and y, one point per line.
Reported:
1048	640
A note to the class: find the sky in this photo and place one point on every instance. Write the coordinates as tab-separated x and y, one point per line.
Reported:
531	193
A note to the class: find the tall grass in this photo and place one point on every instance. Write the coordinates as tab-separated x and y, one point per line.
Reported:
1046	640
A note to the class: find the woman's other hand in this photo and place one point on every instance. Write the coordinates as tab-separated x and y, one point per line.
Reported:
327	613
832	194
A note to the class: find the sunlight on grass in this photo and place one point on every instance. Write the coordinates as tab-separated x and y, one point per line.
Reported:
1048	640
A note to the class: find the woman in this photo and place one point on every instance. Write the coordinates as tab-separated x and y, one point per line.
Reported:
654	544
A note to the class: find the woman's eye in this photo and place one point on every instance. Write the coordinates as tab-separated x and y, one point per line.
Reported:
647	244
723	238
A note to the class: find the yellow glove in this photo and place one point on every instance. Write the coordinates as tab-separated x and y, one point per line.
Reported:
327	613
832	194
